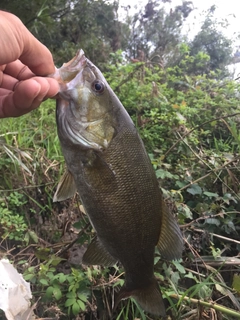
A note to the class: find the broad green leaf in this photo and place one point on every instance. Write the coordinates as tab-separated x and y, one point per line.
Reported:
49	292
194	189
62	277
81	305
44	282
82	297
57	293
75	308
69	302
71	295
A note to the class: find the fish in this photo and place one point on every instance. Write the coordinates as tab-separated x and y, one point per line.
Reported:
108	165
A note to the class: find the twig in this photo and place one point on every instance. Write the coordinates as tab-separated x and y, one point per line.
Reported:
206	175
28	187
224	238
212	305
197	127
218	236
108	283
203	218
212	170
128	77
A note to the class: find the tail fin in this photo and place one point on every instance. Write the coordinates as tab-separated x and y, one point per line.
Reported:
149	298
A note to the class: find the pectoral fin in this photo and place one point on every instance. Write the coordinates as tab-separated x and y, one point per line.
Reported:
170	243
66	188
99	174
96	254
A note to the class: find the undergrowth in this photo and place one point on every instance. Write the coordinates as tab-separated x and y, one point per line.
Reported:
190	126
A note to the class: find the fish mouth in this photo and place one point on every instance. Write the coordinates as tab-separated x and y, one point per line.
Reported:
72	67
69	70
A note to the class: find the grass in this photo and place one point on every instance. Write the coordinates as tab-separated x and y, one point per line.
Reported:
31	164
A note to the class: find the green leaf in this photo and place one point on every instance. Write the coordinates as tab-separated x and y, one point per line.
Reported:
236	282
210	194
29	277
204	292
57	293
62	277
160	173
82	297
75	308
191	276
156	259
175	277
49	292
118	282
55	260
44	282
26	237
33	236
179	267
78	225
212	221
71	295
213	123
194	189
82	305
69	302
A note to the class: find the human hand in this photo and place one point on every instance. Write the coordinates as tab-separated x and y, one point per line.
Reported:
24	64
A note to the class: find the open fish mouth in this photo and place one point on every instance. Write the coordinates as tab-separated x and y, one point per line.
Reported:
70	69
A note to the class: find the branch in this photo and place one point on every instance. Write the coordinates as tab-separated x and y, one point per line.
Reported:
212	305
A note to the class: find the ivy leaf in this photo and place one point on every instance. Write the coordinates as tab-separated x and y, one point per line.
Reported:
194	189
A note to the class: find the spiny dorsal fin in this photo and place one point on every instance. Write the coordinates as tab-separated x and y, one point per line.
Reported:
96	254
66	188
170	243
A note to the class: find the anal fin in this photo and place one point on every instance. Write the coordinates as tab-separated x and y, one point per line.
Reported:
66	188
96	254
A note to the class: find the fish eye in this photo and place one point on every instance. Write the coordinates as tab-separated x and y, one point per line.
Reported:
98	86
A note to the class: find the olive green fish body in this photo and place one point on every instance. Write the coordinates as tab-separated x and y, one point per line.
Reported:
115	180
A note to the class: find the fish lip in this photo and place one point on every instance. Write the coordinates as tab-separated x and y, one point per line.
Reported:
77	63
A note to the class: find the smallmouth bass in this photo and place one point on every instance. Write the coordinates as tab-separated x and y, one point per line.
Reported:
109	167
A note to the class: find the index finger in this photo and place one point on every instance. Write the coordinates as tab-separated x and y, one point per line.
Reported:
19	43
36	56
